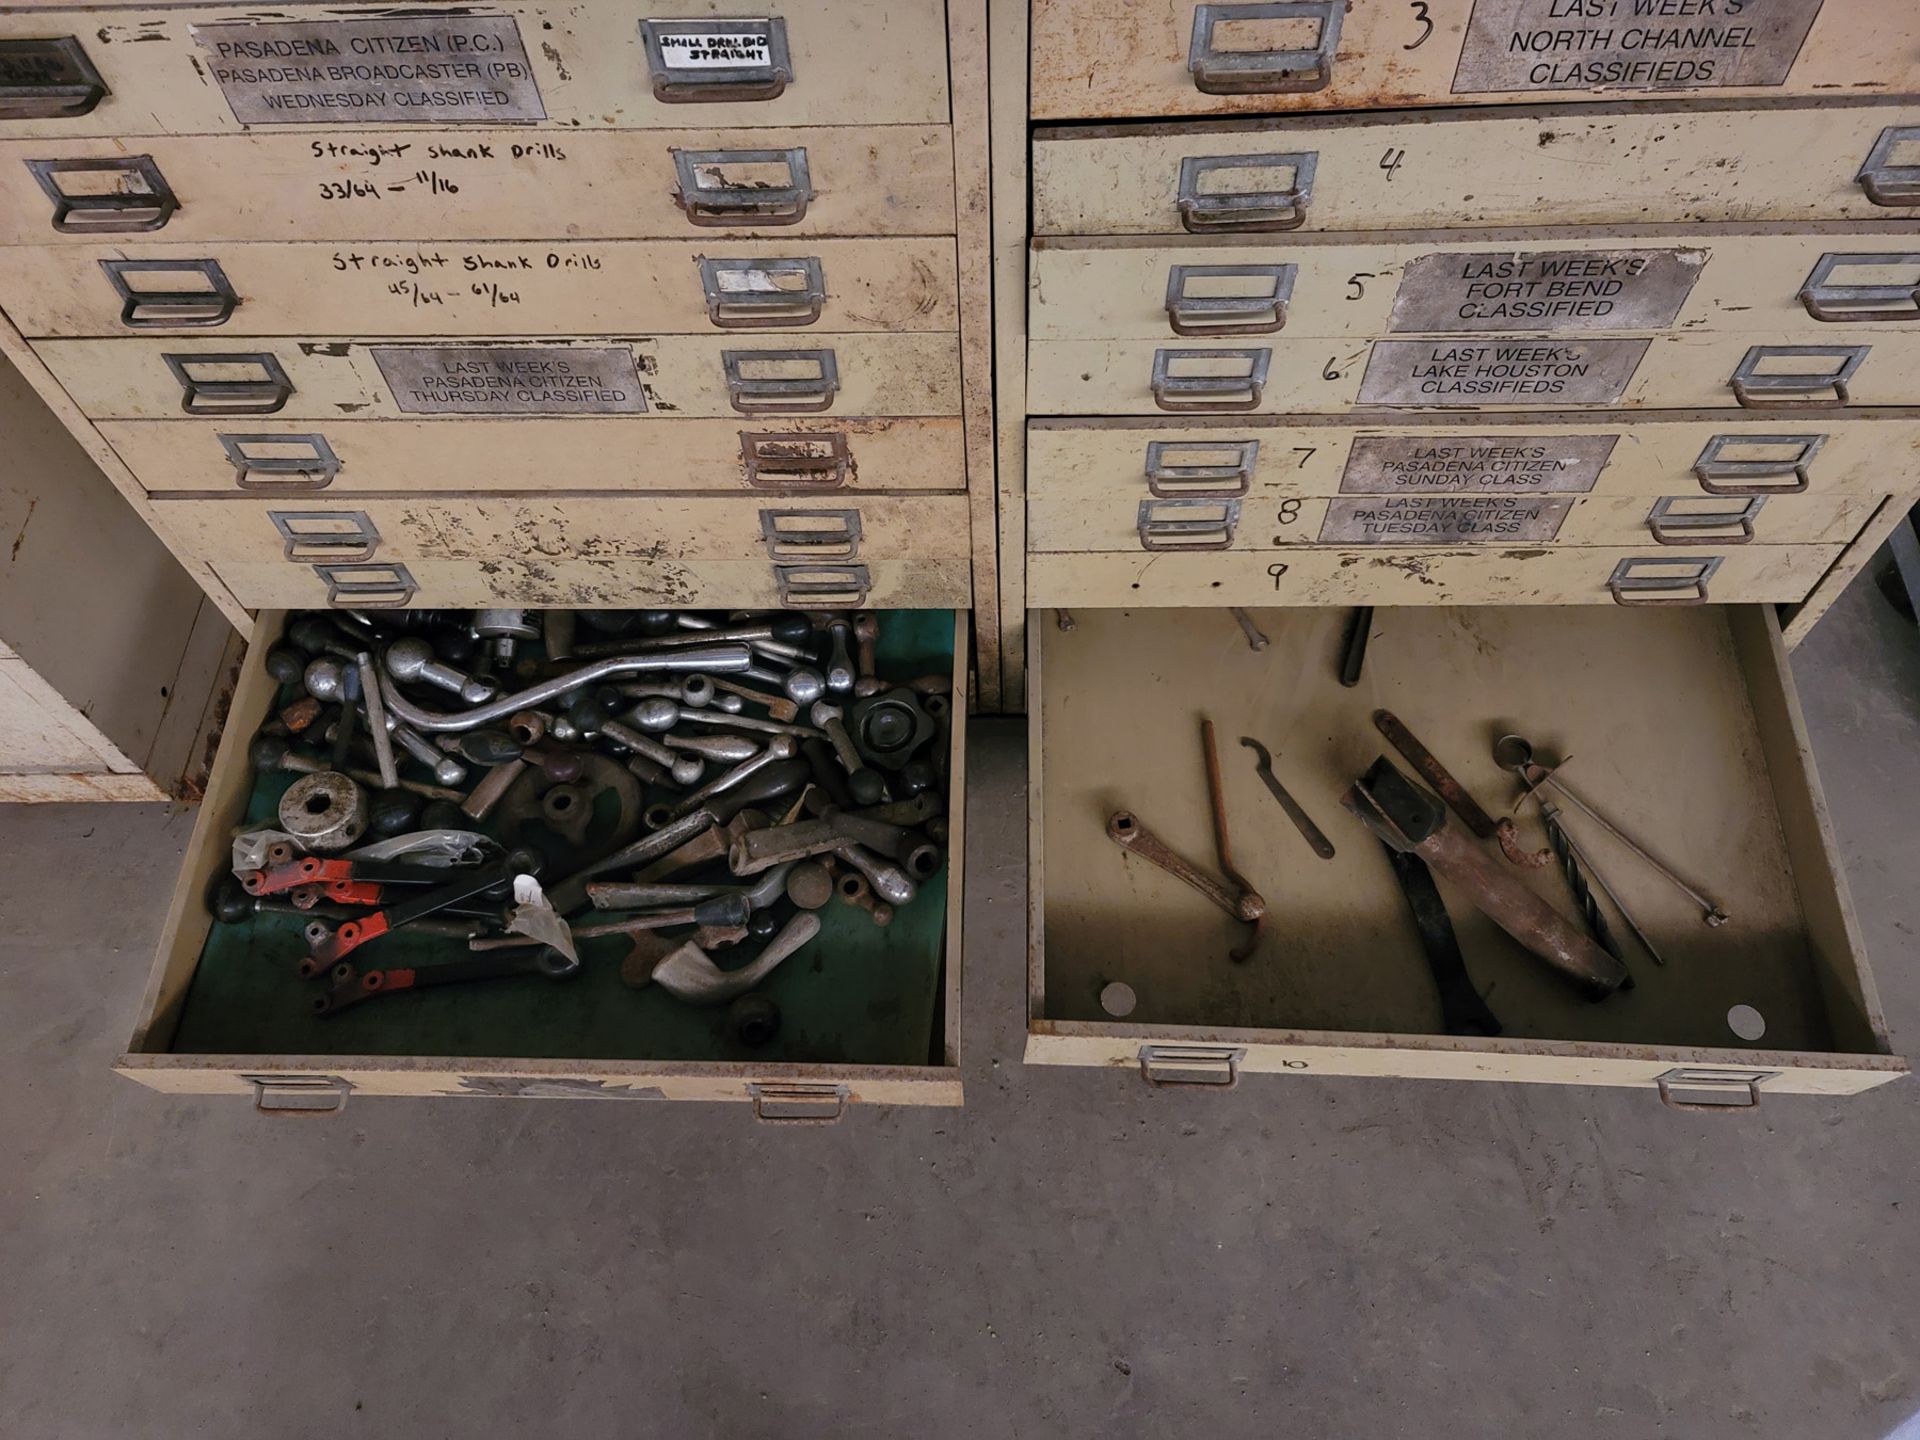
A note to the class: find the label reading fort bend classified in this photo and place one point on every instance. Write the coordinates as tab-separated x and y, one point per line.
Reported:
1547	45
442	70
1490	374
512	379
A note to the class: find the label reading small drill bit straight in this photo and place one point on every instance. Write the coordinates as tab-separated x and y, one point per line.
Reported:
1442	520
512	379
1493	374
1475	464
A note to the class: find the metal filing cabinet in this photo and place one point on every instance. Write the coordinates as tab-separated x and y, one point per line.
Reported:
1600	372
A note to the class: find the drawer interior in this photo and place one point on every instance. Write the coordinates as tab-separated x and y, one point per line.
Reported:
857	995
1677	724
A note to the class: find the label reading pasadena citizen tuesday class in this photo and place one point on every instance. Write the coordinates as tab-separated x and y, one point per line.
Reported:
1551	290
512	379
1489	373
1475	464
1518	45
724	45
444	70
1442	520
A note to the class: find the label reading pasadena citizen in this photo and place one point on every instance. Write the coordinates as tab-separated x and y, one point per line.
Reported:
511	379
723	45
1518	45
1553	290
1489	373
1475	464
444	70
1442	520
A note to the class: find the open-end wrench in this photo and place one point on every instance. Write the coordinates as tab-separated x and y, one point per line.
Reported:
349	987
1263	764
327	945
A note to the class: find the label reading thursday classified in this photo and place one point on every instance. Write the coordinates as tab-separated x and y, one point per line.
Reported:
1546	45
1442	520
1475	464
512	379
1552	290
1492	373
450	69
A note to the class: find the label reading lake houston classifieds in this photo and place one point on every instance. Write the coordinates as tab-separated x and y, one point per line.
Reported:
450	69
1490	373
1550	290
1475	464
512	379
1549	45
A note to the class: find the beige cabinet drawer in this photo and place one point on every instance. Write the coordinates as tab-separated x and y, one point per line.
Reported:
1301	374
1650	453
410	457
668	377
1646	574
445	185
212	69
1068	519
225	1014
1629	281
1649	163
484	288
1187	58
1685	731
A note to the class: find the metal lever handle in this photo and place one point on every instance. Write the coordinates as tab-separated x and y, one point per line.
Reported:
795	459
346	537
1264	72
1187	524
711	201
204	395
47	80
141	201
379	586
1648	579
811	535
1209	392
1261	311
1191	1065
1701	527
1743	1086
823	587
1839	302
1245	211
780	394
1721	476
295	1095
1884	182
1825	388
311	467
175	309
793	1103
763	294
1203	477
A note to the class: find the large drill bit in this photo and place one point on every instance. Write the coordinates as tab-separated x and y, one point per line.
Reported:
1577	882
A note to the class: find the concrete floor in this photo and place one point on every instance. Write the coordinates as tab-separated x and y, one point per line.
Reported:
1073	1254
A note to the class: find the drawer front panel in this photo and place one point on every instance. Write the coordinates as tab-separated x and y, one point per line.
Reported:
1324	55
1311	375
1102	462
404	457
1602	166
446	185
1378	575
1068	519
486	288
1622	283
522	580
210	70
671	377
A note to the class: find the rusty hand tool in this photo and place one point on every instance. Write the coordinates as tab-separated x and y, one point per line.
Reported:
1408	818
1263	765
1256	641
327	945
1455	794
1575	863
1353	651
1462	1010
1513	753
349	987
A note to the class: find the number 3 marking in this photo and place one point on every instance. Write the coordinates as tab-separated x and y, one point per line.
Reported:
1420	14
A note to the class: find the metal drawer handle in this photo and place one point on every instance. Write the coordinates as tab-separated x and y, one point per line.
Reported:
1191	1065
1702	527
811	534
299	1094
380	586
780	394
795	459
1653	579
140	200
1256	308
1264	72
1742	1088
1720	475
1245	210
1187	524
47	80
1233	391
793	1103
1175	468
756	294
172	309
289	464
1818	387
823	587
710	199
345	537
224	395
1886	183
1839	302
708	61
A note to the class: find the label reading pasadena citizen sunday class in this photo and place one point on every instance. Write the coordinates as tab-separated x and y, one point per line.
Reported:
1551	290
444	70
723	45
1491	373
1544	45
512	379
1442	520
1475	464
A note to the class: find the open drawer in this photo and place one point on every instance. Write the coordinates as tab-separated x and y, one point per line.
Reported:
1683	729
870	1013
